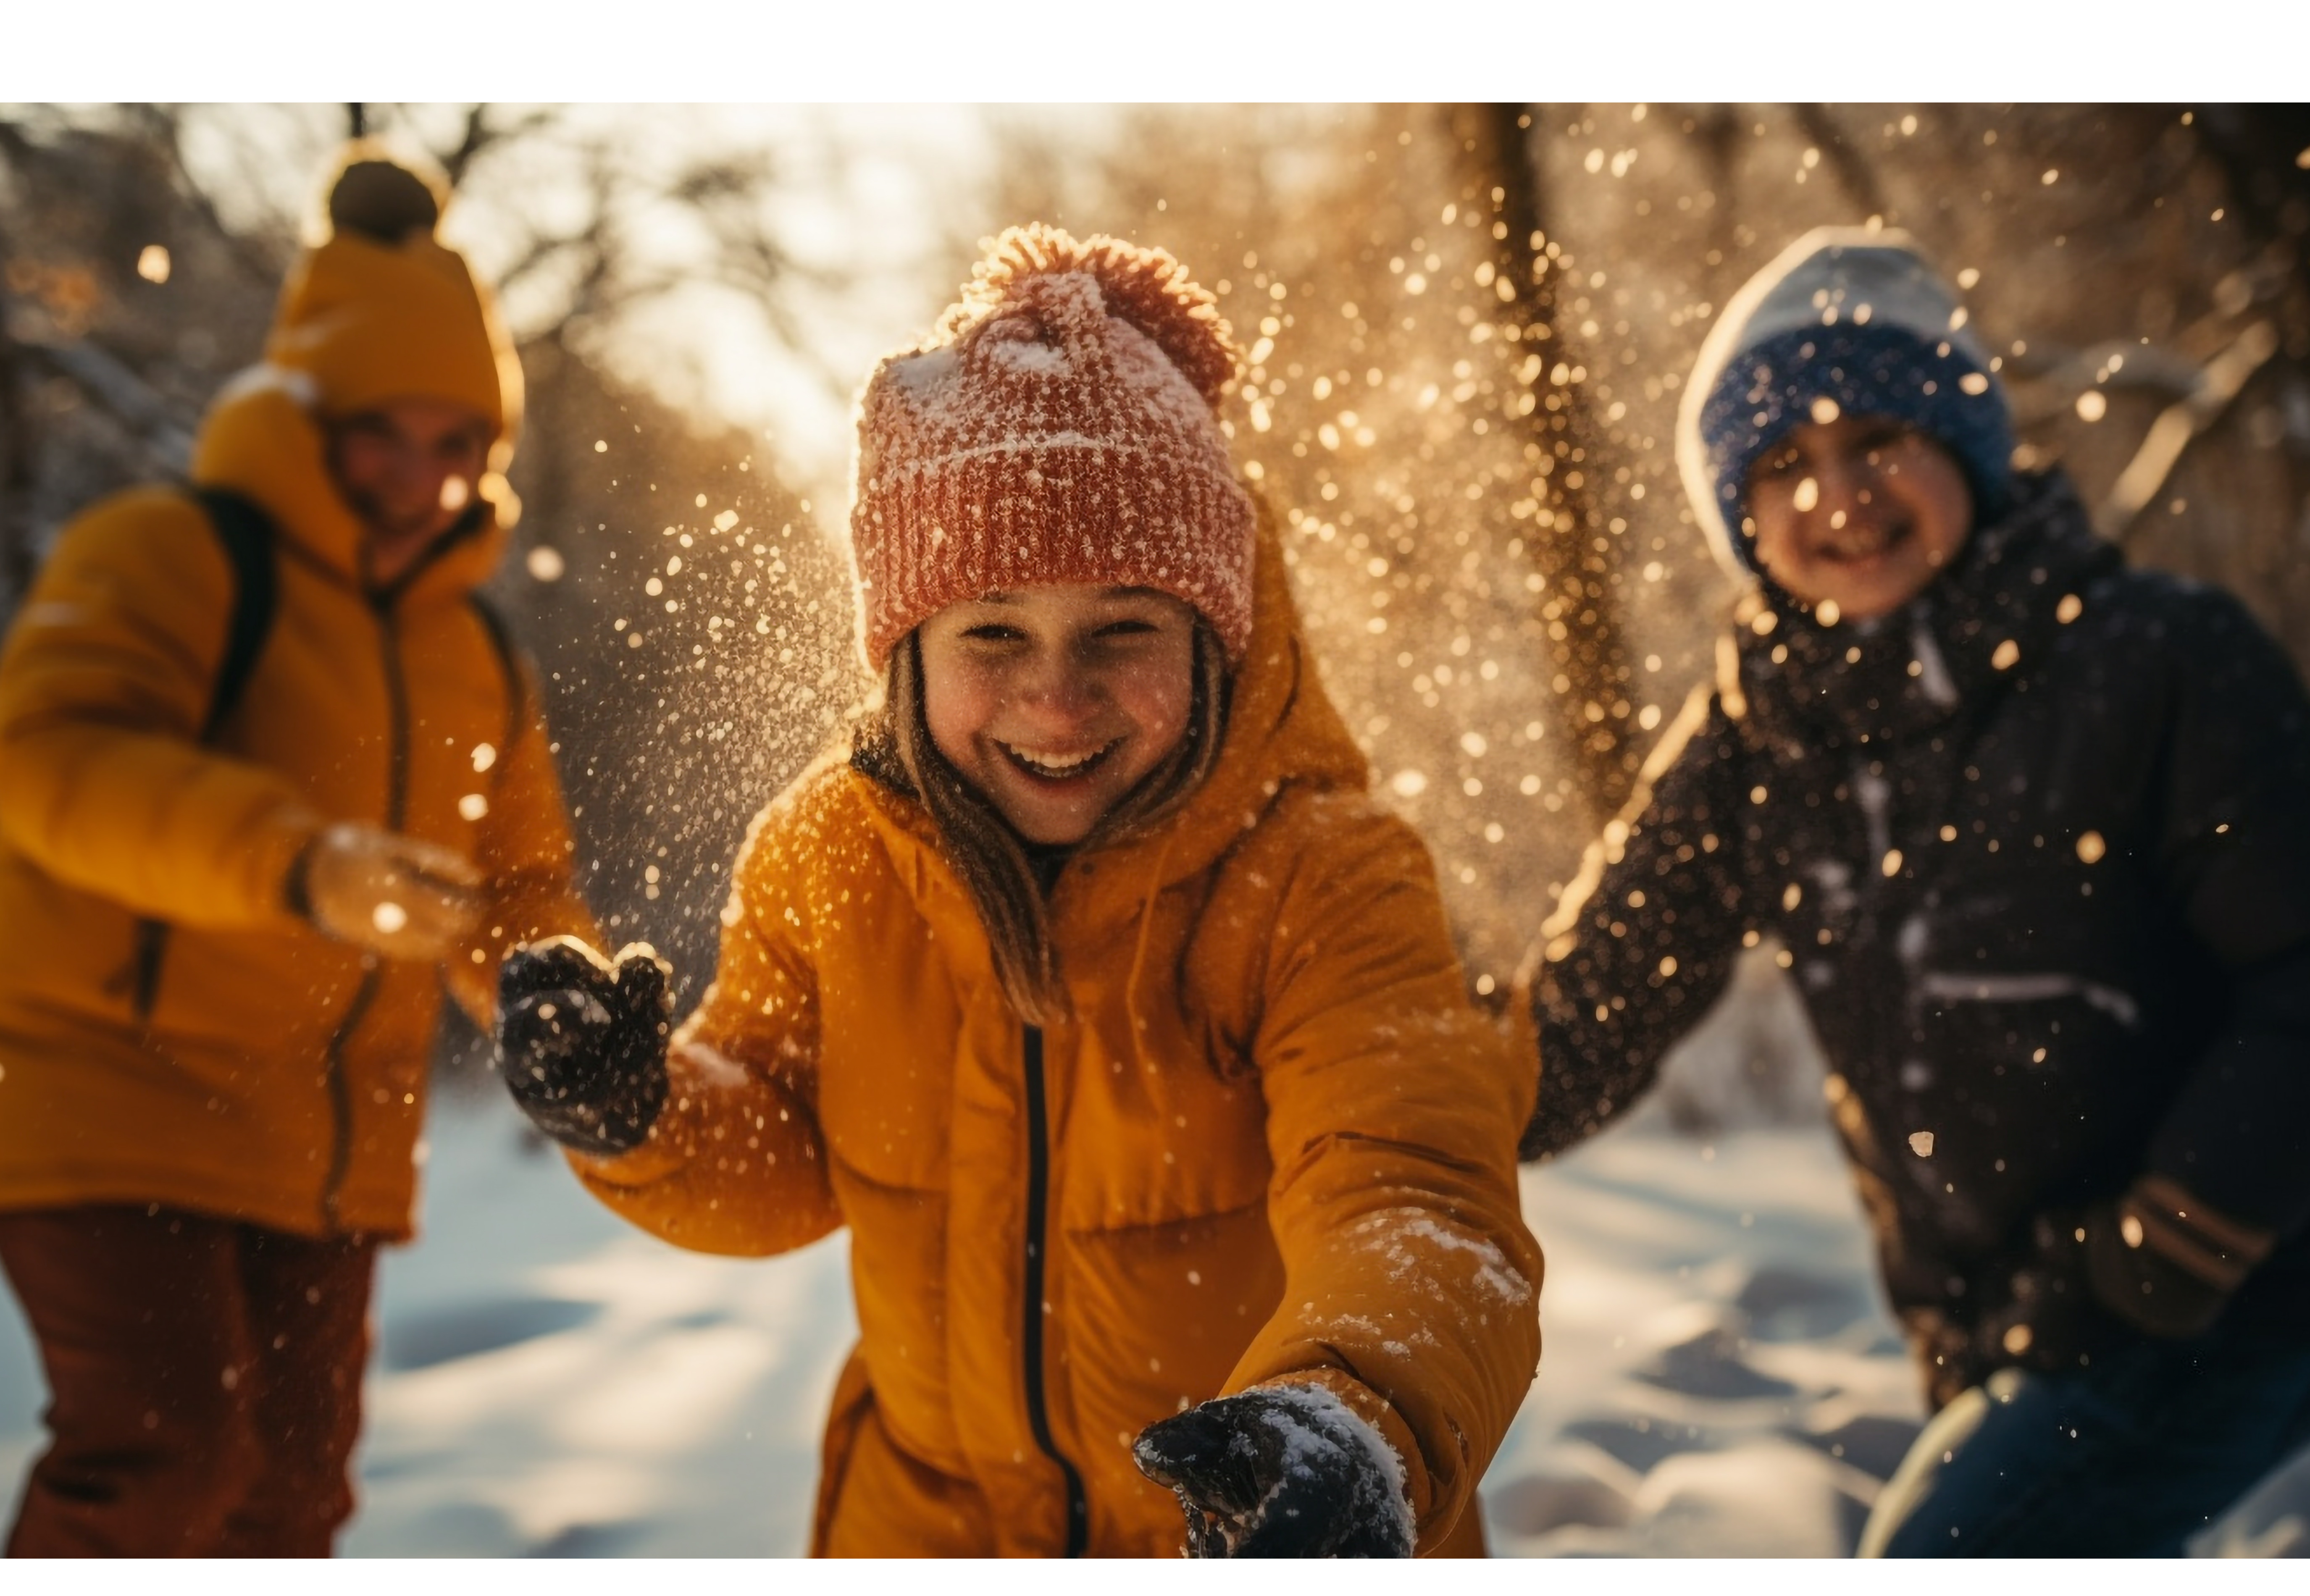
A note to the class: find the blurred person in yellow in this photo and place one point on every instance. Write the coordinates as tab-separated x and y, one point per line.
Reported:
272	779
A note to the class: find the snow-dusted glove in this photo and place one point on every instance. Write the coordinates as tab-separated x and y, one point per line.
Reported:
2165	1262
582	1039
400	896
1280	1472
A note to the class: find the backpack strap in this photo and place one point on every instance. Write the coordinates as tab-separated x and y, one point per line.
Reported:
245	532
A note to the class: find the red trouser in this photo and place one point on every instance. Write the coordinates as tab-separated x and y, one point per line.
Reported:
203	1380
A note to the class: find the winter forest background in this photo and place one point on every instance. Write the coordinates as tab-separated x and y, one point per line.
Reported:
1466	328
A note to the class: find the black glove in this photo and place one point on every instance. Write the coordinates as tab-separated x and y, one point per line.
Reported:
2043	1315
1282	1471
581	1041
2166	1263
2155	1262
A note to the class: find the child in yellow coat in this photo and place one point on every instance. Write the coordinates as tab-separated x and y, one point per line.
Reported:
1088	989
270	779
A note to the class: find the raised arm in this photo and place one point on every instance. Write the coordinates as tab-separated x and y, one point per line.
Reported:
1645	936
104	685
734	1162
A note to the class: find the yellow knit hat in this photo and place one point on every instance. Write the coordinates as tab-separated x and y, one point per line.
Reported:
384	311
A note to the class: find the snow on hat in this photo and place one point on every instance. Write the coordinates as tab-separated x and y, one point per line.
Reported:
1850	316
1060	426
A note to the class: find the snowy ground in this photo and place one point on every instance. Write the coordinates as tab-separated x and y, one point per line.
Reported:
549	1382
1720	1376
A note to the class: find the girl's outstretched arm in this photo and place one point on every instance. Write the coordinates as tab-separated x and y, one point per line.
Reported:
1412	1285
734	1162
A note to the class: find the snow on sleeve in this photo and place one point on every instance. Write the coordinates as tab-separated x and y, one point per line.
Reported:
1411	1240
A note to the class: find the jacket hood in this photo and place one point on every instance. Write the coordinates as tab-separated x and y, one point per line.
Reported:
1282	730
1961	639
262	438
1858	320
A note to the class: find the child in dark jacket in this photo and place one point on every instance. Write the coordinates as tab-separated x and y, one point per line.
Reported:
2034	832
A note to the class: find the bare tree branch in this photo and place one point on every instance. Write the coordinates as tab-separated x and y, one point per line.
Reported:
160	431
2180	425
1854	171
482	133
168	133
2048	381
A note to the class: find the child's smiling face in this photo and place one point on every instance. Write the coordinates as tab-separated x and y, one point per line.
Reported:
1858	511
1055	701
408	468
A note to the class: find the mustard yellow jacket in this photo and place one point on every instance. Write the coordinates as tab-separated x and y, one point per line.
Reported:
276	1076
1274	1144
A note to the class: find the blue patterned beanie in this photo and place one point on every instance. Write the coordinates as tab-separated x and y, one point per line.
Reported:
1848	316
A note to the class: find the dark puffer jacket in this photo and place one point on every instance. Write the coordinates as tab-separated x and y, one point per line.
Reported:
2038	848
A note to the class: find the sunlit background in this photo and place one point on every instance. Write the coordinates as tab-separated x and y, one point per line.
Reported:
1465	328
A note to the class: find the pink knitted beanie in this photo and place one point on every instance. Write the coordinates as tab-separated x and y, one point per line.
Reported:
1059	427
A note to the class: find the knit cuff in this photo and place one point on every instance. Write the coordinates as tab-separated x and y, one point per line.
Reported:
2161	1216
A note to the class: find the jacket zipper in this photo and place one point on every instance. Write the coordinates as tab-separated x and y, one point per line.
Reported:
396	807
151	949
341	1097
1039	1184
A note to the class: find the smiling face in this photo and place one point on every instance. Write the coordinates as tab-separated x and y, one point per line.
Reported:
1858	511
408	468
1055	702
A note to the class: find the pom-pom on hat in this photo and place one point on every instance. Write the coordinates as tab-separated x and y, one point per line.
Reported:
382	310
1060	426
381	201
1850	316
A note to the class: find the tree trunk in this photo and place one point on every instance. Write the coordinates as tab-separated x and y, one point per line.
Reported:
1575	555
17	459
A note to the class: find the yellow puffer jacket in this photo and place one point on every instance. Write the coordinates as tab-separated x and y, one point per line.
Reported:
1275	1143
278	1076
